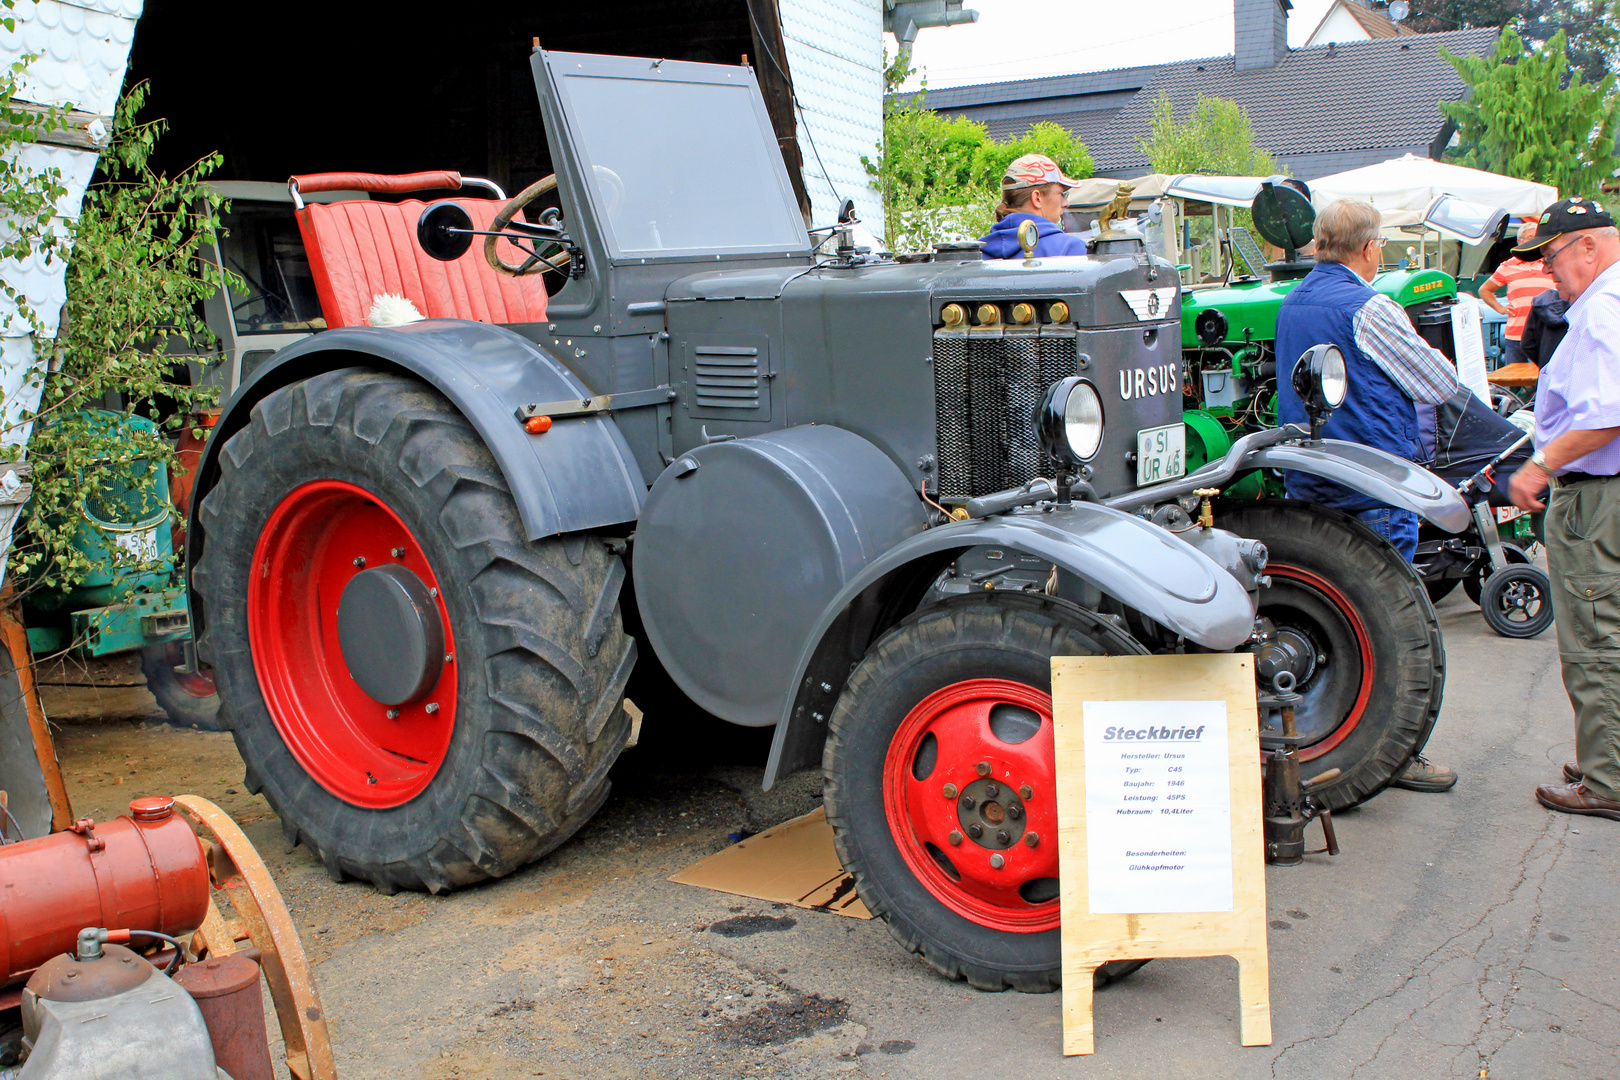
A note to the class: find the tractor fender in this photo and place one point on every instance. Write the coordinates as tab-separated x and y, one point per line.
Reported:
579	475
1138	563
1374	473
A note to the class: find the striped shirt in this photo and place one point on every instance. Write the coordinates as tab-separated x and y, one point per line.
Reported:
1388	338
1525	281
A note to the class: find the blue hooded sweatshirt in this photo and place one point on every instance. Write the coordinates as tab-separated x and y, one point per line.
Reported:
1002	243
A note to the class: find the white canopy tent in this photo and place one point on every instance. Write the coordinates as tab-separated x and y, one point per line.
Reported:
1412	183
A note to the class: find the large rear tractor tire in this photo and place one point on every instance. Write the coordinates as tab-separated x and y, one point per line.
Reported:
1372	666
425	697
940	785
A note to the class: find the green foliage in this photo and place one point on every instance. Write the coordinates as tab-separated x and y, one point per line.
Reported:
940	176
1520	120
1214	137
1591	26
135	285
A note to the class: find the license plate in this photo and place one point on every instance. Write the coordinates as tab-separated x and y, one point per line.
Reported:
140	544
1161	453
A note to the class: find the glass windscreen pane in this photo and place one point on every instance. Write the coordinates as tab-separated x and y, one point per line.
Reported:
262	246
1467	221
680	167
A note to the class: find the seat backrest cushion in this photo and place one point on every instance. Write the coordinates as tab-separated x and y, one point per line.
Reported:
359	249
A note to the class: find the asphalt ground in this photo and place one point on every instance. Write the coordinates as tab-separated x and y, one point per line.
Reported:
1469	934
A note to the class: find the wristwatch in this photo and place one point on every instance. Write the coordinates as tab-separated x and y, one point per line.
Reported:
1539	460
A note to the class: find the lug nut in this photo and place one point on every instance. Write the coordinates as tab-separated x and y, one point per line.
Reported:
392	714
975	830
1026	793
967	802
982	768
398	553
359	560
997	862
432	707
955	838
1031	839
950	791
1015	811
1003	837
992	790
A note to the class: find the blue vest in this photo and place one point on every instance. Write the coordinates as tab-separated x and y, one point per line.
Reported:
1322	309
1002	240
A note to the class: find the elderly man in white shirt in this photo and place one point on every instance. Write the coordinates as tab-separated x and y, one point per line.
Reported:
1577	421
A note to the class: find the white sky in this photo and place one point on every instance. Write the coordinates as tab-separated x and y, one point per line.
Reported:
1026	39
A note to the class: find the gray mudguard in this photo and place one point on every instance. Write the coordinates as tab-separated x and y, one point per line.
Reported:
1374	473
1141	565
579	475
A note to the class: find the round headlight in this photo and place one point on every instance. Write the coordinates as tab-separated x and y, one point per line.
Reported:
1320	379
1335	380
1070	421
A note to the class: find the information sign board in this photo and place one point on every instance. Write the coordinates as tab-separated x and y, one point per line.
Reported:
1159	822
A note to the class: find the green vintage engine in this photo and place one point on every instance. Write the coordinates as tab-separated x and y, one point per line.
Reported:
1227	337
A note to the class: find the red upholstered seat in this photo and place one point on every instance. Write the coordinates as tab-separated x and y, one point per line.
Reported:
360	249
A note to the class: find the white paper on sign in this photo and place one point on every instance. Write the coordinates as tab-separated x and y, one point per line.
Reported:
1158	807
1469	338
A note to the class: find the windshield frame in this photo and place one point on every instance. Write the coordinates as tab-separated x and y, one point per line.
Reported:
564	67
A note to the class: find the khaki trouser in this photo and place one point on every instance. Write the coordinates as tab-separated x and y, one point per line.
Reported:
1583	556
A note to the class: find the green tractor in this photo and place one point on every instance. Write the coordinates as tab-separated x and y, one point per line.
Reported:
1230	386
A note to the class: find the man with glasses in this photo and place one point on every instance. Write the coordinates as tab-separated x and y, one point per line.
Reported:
1390	367
1577	419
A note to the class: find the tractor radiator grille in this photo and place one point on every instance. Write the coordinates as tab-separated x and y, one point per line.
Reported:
987	383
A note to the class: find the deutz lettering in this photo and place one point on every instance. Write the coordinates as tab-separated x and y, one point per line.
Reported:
1146	382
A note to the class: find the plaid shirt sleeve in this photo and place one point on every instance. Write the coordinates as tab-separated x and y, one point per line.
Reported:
1388	338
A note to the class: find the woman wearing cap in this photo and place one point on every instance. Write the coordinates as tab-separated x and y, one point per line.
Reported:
1033	189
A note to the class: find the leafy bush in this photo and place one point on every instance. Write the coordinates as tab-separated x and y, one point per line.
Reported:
136	280
940	176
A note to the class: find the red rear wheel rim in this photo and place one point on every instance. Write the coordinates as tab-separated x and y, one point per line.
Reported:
1363	642
922	818
341	736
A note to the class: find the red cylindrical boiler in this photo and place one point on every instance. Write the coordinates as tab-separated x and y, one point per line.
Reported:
143	871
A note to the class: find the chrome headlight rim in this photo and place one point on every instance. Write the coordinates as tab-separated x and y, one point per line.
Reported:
1070	421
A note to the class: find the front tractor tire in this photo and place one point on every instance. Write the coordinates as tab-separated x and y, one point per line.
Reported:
940	784
1362	640
425	697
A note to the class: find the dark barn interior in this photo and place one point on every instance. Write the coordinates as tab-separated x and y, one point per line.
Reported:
363	87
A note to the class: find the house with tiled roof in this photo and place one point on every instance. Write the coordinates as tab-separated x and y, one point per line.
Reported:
1354	20
1316	110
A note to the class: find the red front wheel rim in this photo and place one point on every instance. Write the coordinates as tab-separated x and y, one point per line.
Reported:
948	770
1364	654
342	737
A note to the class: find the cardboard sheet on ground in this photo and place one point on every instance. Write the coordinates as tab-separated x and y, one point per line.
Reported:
793	863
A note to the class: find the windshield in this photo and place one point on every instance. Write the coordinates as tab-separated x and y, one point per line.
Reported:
1472	223
682	167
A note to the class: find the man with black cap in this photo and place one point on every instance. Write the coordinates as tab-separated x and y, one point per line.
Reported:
1577	421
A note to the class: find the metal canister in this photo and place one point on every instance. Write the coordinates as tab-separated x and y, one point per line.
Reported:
226	989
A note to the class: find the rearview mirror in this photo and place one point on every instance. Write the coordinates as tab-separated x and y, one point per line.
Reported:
444	230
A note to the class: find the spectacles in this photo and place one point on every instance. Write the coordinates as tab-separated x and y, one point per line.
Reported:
1548	256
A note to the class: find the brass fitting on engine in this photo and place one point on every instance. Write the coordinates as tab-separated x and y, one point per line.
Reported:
1206	512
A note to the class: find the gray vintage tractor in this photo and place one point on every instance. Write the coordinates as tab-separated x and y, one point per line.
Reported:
858	499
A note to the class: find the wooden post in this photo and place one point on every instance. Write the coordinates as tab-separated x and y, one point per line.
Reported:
22	658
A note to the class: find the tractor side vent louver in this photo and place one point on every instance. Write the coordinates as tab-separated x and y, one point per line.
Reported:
726	377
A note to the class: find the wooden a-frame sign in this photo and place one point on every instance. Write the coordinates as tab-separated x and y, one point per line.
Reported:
1143	691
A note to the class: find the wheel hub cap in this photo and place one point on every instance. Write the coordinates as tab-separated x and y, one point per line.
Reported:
390	634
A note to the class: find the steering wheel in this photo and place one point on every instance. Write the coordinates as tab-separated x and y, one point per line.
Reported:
535	263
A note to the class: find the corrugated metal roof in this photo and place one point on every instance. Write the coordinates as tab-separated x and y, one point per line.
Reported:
1359	95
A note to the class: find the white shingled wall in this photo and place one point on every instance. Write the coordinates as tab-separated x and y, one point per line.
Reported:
82	53
835	54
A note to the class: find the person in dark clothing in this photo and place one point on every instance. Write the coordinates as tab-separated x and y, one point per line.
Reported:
1033	189
1544	328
